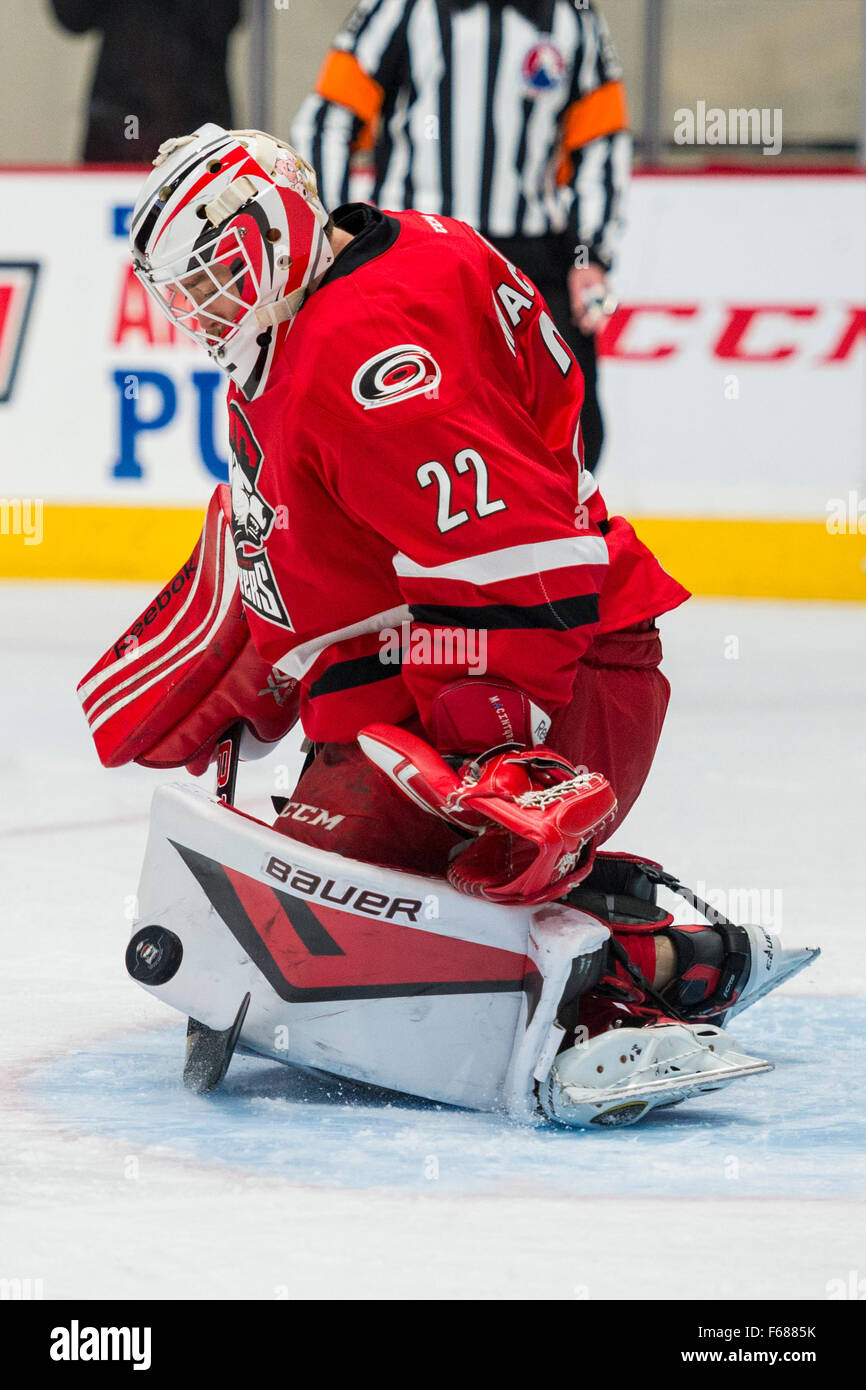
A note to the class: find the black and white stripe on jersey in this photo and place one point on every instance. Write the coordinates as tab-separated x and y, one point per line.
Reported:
557	615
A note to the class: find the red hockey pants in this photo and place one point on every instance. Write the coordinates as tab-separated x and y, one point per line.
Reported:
612	725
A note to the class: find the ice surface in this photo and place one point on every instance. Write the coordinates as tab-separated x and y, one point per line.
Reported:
116	1182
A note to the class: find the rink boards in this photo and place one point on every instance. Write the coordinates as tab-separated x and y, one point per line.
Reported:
732	379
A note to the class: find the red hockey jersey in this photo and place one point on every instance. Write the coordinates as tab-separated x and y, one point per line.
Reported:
408	494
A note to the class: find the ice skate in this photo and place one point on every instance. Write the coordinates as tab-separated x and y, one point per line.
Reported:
619	1076
721	967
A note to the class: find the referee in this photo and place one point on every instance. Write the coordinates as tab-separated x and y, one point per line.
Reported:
507	114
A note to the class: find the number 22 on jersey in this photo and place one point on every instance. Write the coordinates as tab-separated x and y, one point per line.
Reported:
435	472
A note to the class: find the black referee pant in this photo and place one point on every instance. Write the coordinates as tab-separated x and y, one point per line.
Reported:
547	261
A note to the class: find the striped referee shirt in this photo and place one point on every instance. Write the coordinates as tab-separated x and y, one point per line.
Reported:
507	114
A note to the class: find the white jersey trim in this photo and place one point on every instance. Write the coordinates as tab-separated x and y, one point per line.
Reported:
298	661
516	562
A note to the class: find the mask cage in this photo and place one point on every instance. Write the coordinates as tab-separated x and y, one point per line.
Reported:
208	292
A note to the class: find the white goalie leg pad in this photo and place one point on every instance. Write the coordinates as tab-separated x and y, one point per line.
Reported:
459	1005
565	945
618	1077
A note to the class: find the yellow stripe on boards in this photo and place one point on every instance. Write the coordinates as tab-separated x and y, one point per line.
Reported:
752	558
136	543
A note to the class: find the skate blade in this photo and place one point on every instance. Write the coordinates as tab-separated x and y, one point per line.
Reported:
791	962
586	1106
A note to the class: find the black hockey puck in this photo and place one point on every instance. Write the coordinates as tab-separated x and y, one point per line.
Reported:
153	955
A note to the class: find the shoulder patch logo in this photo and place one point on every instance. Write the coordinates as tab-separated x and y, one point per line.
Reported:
543	68
252	523
395	375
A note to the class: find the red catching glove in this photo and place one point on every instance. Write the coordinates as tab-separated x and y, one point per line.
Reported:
535	818
186	670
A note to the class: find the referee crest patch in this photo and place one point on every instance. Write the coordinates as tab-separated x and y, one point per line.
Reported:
543	68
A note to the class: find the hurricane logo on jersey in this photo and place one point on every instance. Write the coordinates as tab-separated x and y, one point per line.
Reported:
252	523
543	68
395	375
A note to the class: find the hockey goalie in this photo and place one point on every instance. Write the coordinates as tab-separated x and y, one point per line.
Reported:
412	561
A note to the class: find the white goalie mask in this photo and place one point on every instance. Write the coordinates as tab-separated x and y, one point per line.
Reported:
228	236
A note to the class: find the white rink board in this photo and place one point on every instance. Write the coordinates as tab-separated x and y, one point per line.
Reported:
64	435
698	430
733	269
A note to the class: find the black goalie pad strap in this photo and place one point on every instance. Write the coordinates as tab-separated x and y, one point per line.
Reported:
737	959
